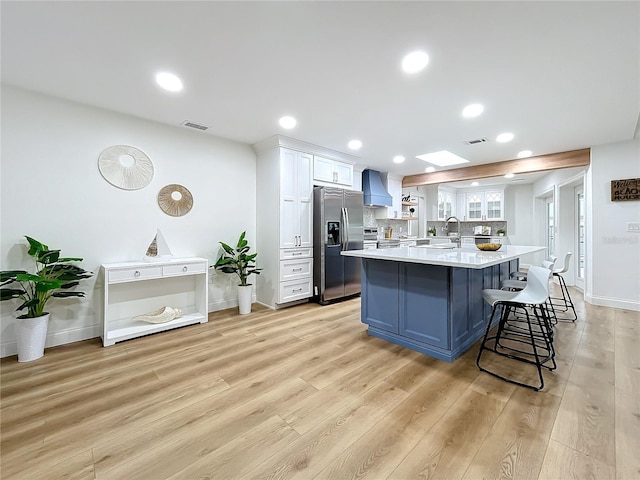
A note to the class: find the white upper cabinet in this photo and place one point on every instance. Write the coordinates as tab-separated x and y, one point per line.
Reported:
485	205
335	172
446	204
296	193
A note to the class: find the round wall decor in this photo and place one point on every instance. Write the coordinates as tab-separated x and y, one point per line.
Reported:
125	167
175	200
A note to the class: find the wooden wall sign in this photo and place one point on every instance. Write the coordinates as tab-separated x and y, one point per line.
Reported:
628	189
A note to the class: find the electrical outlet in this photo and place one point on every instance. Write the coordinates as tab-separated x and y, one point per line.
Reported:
633	227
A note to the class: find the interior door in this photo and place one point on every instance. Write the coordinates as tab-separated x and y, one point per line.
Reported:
580	238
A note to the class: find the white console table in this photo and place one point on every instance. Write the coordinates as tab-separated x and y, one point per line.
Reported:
135	288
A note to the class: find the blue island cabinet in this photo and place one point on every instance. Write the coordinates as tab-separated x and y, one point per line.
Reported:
436	310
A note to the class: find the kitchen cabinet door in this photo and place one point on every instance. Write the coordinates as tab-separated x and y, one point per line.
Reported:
335	172
296	190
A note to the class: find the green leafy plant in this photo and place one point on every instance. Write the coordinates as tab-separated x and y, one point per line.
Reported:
53	277
238	260
431	231
501	231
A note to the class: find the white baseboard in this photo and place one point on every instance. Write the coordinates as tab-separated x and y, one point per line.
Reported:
8	349
224	304
613	302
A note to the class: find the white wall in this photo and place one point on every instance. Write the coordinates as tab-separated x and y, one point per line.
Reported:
52	190
613	254
519	217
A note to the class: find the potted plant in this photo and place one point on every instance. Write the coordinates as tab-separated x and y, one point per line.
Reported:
53	277
432	231
502	232
240	262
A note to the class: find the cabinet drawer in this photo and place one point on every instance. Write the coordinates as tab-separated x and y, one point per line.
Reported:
291	269
294	290
286	253
130	274
183	269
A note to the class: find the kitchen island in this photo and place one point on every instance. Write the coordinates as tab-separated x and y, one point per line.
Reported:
429	298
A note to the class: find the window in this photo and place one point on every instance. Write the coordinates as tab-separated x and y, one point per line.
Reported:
550	225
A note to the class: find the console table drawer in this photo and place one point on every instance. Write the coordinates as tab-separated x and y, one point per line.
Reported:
183	269
131	274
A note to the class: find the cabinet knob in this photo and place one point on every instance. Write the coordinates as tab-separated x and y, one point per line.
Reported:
297	269
296	253
296	290
136	273
185	268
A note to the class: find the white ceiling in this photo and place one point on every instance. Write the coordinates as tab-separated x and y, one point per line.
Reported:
559	75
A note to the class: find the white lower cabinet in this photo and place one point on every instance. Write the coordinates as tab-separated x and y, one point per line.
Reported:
293	269
135	288
295	290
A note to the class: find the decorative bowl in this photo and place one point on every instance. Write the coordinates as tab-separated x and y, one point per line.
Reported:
488	247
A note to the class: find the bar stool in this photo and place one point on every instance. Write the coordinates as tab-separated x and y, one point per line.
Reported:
507	342
564	303
522	276
519	280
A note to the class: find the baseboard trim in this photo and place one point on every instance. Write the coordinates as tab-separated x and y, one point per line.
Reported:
224	304
613	302
8	349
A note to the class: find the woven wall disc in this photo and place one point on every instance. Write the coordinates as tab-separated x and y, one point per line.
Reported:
175	200
125	167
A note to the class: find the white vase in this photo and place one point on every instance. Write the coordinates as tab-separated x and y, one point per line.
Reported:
244	299
31	335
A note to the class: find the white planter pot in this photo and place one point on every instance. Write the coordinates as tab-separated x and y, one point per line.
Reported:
31	335
244	299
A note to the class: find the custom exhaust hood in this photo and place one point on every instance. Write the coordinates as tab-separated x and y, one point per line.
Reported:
375	193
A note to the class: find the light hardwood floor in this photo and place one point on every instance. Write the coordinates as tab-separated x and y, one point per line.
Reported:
305	393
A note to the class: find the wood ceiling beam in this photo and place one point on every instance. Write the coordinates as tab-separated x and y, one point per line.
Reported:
552	161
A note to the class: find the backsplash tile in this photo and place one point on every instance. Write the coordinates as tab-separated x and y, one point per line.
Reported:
466	228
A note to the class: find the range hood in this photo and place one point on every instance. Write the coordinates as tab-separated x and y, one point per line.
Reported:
375	193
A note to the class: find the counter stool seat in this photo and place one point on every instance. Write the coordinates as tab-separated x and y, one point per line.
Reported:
565	303
536	337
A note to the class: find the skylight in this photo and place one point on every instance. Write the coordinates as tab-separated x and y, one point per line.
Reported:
443	158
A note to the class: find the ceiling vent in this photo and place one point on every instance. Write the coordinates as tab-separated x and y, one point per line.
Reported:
197	126
476	141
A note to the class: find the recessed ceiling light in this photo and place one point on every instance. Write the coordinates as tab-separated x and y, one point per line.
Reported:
355	144
429	170
509	175
287	122
472	110
474	184
415	61
504	137
398	159
169	81
524	153
443	158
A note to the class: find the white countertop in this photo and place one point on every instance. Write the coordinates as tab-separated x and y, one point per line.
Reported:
465	257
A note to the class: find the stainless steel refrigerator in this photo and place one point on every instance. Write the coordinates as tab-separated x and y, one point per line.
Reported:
337	226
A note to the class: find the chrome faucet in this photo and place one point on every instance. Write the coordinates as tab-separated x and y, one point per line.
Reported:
458	237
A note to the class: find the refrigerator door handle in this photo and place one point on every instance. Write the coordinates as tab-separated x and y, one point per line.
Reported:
345	228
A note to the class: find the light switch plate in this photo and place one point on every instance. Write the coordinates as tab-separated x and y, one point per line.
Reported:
633	227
